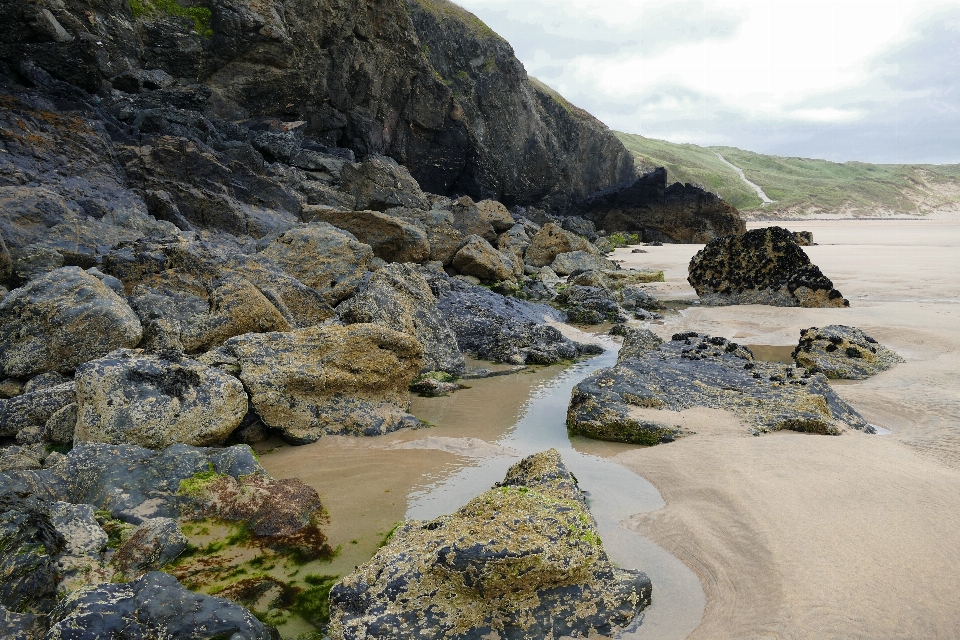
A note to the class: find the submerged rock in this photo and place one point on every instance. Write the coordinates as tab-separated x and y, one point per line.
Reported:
399	298
156	400
842	352
332	379
60	321
523	560
696	370
763	266
153	606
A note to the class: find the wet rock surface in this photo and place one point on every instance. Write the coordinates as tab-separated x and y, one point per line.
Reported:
499	328
842	352
698	370
459	576
329	380
657	212
763	266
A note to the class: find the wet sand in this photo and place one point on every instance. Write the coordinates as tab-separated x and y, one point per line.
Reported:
854	536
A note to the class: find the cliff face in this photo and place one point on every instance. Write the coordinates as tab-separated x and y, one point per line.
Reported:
675	213
532	146
356	72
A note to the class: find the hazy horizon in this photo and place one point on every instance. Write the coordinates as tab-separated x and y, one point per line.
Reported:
874	82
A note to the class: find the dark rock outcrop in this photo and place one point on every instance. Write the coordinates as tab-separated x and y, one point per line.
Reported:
590	305
657	212
522	560
503	329
763	266
698	370
841	352
154	605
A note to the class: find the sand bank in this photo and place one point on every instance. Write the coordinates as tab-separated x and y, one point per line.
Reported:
855	536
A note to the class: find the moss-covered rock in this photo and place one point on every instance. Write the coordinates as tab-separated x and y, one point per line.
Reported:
332	379
523	560
841	352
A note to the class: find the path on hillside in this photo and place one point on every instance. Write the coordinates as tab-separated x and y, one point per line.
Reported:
755	187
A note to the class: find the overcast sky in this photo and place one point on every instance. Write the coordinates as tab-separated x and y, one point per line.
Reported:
870	81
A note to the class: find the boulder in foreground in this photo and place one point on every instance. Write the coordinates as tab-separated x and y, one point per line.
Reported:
632	401
329	380
842	352
523	560
763	266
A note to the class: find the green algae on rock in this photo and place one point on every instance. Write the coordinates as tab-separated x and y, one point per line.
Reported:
698	370
842	352
522	560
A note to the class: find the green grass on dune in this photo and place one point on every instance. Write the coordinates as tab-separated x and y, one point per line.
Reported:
802	185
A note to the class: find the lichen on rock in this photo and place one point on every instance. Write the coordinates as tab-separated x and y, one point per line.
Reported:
523	559
841	352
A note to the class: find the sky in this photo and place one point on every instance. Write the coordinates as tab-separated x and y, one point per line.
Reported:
840	80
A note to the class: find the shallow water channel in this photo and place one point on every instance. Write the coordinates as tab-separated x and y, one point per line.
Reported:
614	494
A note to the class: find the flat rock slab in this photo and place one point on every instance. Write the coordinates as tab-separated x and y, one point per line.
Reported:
842	352
330	380
694	370
763	266
522	560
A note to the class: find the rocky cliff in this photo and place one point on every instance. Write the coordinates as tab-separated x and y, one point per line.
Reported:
675	213
425	83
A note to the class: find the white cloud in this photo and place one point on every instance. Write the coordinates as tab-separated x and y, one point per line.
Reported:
749	73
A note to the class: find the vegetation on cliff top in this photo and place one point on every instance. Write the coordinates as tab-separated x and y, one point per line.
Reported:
149	8
445	10
802	185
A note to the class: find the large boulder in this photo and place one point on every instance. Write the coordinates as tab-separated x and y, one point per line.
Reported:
566	263
445	240
392	239
156	400
522	560
648	207
398	297
695	370
381	183
478	259
152	606
763	266
34	409
323	257
841	352
331	379
590	305
552	240
62	320
637	343
487	218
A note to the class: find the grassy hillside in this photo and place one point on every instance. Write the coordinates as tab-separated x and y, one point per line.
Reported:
802	186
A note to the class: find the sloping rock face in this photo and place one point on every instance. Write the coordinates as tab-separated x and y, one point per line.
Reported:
841	352
698	370
62	320
523	560
763	266
398	297
657	212
329	380
356	75
156	401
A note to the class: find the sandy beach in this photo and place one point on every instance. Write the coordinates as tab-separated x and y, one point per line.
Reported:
854	536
